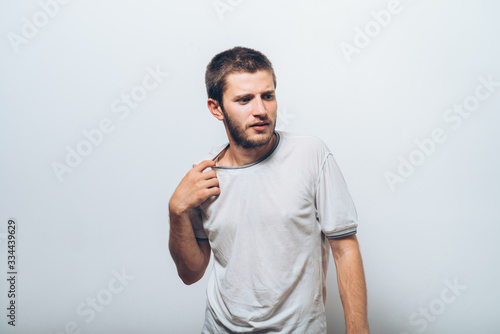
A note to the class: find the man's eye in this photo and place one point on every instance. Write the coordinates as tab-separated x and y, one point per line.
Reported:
268	97
244	100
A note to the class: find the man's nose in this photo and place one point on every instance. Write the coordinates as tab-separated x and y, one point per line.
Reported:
259	108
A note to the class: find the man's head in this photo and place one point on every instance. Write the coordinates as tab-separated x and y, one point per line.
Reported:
241	92
235	60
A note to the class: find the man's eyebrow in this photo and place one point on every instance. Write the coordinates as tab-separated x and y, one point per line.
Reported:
271	91
242	95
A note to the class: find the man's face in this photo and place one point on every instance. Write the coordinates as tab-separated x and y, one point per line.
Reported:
250	108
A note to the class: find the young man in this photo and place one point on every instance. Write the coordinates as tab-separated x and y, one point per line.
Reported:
270	205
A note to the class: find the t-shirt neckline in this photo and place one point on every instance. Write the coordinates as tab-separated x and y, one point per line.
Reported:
253	163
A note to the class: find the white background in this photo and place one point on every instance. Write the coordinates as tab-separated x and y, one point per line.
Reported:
109	214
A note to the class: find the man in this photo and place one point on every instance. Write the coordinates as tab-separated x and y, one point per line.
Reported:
269	204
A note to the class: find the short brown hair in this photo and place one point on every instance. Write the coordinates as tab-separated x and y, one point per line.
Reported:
236	60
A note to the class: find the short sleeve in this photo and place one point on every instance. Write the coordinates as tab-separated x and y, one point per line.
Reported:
197	223
335	210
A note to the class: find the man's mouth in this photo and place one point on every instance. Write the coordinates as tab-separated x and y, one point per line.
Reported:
259	124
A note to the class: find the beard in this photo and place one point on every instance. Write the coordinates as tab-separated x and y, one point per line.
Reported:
239	136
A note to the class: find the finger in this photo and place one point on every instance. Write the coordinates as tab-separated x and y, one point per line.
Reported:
214	191
211	174
204	165
211	183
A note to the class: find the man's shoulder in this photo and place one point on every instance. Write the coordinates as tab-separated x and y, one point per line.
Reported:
302	150
305	141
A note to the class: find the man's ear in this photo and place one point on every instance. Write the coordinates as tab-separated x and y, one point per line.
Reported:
215	109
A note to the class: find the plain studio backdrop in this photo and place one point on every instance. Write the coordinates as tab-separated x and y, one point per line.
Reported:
103	111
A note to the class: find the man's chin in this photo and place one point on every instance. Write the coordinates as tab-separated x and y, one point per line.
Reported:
260	138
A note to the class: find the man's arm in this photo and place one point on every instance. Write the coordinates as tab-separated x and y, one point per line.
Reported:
351	281
191	256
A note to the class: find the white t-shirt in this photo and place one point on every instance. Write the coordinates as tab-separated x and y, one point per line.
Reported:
268	231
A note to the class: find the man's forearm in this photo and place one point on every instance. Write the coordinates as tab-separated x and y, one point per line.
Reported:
352	288
185	250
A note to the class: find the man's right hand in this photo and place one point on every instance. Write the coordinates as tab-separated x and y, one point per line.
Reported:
194	188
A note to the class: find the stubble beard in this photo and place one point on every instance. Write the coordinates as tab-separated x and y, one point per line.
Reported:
239	137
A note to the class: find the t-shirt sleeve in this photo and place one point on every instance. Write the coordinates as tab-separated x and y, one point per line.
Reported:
197	223
335	210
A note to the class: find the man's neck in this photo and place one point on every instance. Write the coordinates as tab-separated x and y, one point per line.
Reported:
235	155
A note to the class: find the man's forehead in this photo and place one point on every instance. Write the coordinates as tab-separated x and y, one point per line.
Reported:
246	81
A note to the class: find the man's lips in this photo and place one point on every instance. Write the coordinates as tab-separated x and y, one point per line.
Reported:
260	124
